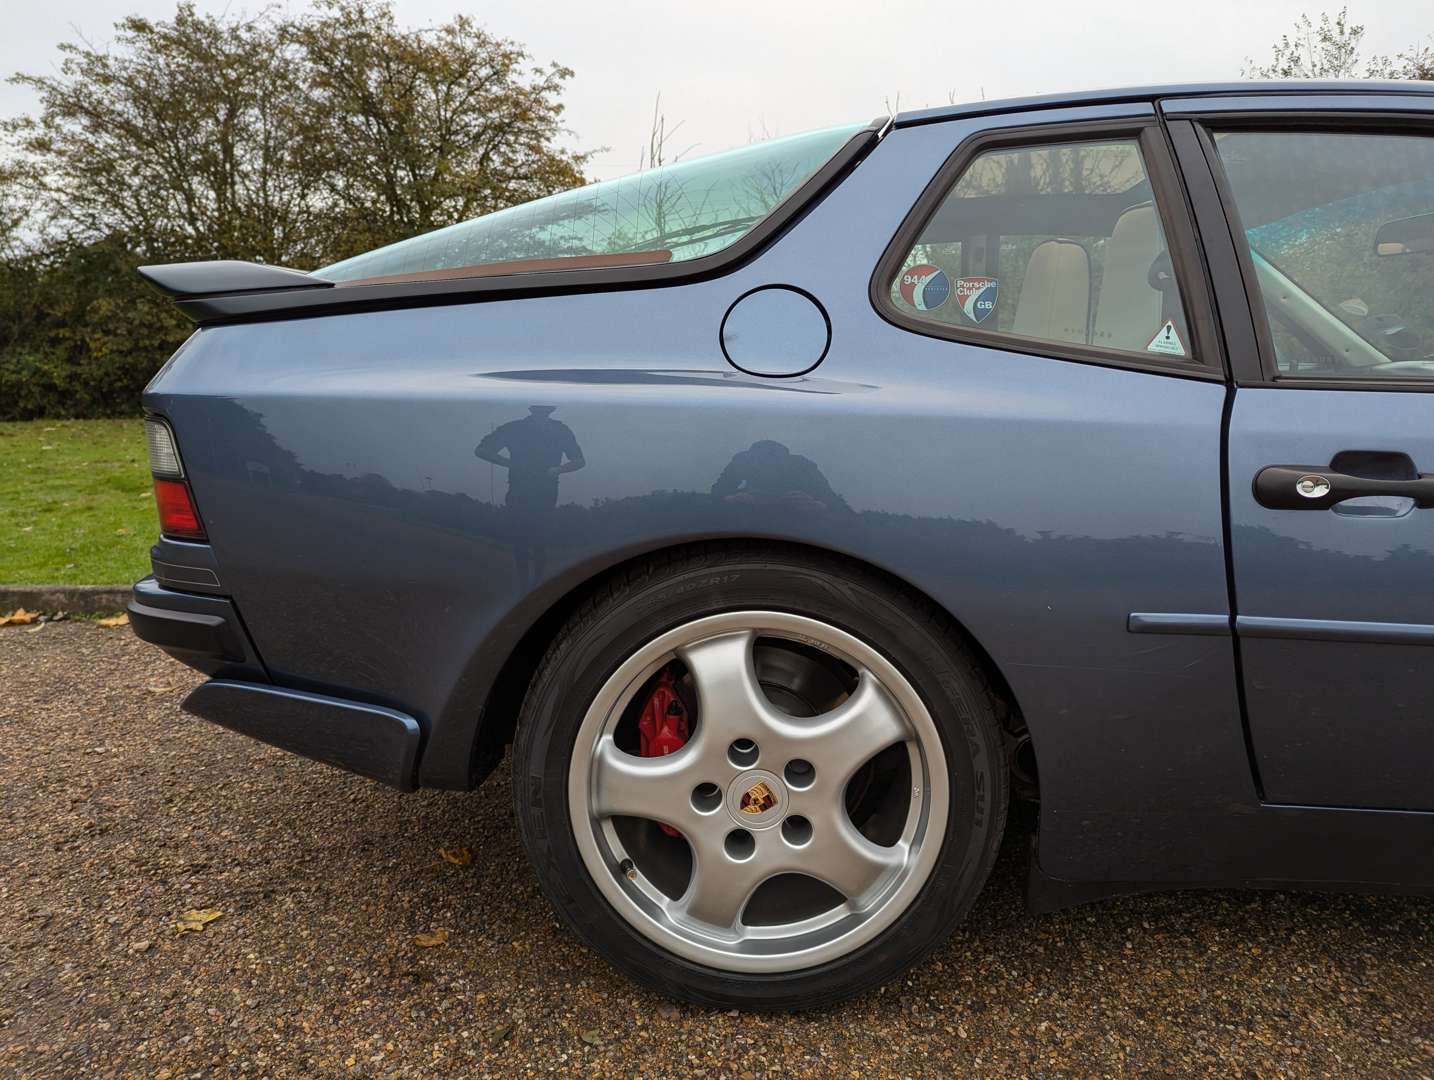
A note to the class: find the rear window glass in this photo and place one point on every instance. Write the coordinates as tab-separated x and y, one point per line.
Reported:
669	214
1058	243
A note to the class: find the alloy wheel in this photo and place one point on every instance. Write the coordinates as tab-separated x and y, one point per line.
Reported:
805	810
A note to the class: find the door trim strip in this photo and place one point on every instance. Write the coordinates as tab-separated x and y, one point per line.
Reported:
1259	626
1148	622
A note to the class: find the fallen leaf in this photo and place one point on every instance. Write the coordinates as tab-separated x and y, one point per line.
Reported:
196	919
458	856
591	1036
123	532
429	940
122	619
500	1032
36	628
19	617
159	689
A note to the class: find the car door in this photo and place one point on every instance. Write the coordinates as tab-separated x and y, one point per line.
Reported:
1045	296
1329	206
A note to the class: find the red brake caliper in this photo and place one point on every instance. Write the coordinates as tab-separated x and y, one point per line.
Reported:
663	724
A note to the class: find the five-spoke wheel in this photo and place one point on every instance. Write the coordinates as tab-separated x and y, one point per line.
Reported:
757	782
760	795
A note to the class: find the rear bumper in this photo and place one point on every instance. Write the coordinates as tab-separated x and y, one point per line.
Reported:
206	633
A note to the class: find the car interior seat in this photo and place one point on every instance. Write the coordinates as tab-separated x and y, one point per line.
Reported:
1128	310
1054	304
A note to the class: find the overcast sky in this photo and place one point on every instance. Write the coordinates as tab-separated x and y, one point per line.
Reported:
735	69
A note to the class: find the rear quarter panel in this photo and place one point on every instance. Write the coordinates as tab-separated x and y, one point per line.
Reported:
1039	501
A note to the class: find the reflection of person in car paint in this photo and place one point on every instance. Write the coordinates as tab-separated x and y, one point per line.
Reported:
539	450
768	473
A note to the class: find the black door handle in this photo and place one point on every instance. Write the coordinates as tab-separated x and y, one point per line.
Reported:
1316	487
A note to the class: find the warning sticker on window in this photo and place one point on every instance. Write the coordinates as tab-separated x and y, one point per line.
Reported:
1167	341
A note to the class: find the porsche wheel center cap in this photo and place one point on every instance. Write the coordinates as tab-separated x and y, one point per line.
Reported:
756	800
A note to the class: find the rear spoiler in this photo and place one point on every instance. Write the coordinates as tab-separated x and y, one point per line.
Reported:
191	285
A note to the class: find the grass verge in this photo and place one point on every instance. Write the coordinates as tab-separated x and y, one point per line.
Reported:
75	502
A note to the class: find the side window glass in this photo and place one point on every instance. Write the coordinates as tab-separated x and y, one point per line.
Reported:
1340	228
1057	243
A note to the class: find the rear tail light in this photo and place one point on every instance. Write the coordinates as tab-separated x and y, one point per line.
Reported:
178	516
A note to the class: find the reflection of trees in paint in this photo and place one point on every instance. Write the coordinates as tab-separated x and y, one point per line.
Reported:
375	514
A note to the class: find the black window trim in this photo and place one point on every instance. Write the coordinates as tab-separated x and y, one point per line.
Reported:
347	297
1260	369
1206	361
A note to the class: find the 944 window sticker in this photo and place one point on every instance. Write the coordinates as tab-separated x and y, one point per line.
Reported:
925	287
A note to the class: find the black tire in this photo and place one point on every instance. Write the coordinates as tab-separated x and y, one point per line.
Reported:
631	610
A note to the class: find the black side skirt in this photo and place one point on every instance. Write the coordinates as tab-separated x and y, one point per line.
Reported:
379	743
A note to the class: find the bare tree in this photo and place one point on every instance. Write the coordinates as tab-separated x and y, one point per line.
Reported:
1332	49
655	154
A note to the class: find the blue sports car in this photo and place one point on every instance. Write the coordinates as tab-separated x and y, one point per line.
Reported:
782	515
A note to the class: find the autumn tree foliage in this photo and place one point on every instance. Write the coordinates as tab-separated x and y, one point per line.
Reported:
408	130
290	139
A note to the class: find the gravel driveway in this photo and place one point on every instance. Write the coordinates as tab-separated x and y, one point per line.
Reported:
120	813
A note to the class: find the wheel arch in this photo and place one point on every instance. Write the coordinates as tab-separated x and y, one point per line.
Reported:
498	715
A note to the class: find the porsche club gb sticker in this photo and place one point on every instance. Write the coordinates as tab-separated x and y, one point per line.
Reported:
977	296
925	287
1166	341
